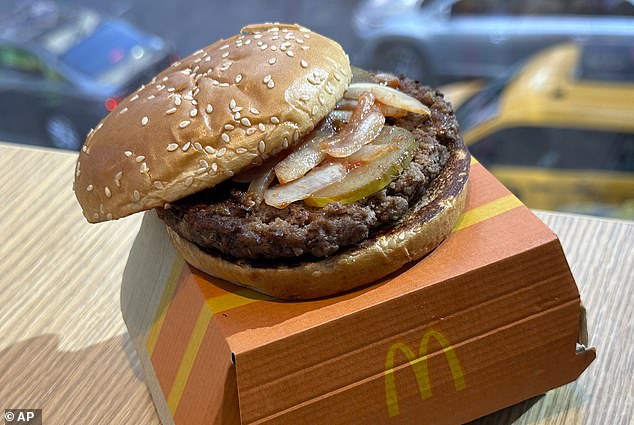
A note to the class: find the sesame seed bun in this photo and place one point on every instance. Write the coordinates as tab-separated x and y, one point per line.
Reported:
208	117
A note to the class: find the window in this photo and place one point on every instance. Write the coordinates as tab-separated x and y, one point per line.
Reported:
557	148
21	61
479	7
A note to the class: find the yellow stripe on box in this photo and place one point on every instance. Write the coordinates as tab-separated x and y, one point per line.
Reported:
166	299
486	211
235	299
191	352
474	160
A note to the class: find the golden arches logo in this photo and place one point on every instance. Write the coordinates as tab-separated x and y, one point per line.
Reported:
419	366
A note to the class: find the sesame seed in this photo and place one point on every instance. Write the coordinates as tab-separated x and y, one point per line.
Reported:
144	168
228	173
209	109
264	46
274	47
203	163
337	76
236	115
107	191
267	78
254	111
245	122
210	150
89	188
259	43
215	82
140	158
189	180
145	120
184	123
177	100
157	184
250	131
193	113
285	145
303	63
208	59
198	60
224	55
270	84
198	147
123	111
172	147
84	148
300	40
229	127
262	146
321	98
257	35
221	152
238	78
117	183
272	61
237	109
315	110
170	89
232	104
248	41
225	137
214	167
188	96
275	120
201	170
127	153
170	111
186	146
304	47
101	209
304	97
241	151
226	46
261	126
136	195
133	98
224	84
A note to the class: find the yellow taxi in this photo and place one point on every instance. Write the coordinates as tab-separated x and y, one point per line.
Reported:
558	130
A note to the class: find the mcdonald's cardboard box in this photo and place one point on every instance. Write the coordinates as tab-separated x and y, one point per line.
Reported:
490	318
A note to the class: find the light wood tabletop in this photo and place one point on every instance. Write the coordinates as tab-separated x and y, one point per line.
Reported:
64	347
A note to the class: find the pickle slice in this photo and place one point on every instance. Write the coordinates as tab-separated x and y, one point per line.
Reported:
371	168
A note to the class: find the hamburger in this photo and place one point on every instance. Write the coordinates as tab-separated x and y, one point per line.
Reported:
277	166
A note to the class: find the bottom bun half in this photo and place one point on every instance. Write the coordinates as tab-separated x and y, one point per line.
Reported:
427	224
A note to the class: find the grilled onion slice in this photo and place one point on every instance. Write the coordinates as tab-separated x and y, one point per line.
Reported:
365	124
387	96
318	178
371	168
307	156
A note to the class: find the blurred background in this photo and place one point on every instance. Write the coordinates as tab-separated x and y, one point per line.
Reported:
543	89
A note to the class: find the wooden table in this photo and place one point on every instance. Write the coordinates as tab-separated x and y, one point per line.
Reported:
64	347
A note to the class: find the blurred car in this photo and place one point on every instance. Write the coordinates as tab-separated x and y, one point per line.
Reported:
62	69
558	130
457	39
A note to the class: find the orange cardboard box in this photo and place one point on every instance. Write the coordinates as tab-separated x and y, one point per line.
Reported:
490	318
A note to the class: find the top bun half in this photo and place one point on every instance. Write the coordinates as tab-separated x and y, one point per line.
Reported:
213	114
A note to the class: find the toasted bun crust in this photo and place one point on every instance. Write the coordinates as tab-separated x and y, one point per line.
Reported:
419	232
209	116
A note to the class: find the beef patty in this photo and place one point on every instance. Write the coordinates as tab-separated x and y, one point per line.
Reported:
228	221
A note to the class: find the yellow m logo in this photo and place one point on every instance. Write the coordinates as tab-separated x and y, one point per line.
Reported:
419	366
